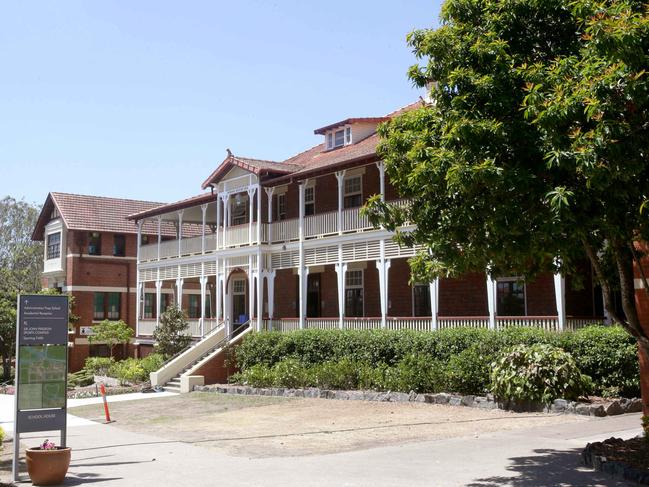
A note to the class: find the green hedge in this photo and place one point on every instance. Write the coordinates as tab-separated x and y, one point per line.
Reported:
607	354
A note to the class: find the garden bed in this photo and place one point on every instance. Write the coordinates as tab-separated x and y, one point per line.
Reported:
597	408
624	459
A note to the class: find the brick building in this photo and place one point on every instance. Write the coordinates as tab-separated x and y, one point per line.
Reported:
90	252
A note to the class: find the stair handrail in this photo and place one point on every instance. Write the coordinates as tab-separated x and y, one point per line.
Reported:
217	328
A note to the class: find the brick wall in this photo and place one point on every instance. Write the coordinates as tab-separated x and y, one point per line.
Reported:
642	304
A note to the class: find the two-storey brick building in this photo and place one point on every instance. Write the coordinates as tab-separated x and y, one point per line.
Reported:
283	245
90	252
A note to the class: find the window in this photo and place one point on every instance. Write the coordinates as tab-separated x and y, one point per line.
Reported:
330	140
348	135
54	245
165	302
309	201
113	306
99	307
510	297
144	240
239	314
239	207
98	350
194	310
354	293
281	206
94	243
353	192
339	138
119	245
106	306
149	305
421	300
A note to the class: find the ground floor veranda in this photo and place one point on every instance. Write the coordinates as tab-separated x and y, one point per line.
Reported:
365	295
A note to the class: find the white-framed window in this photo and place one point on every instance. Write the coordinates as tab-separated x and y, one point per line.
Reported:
309	200
239	210
238	286
338	138
281	206
330	140
354	293
353	195
54	245
348	135
510	297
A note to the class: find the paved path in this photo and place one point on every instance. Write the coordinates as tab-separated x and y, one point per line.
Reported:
107	456
7	407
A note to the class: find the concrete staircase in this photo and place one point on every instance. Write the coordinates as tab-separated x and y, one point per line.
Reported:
176	374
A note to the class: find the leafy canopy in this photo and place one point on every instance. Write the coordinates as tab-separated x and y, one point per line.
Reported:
111	333
171	334
532	153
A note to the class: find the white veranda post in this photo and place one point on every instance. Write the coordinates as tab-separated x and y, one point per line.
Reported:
491	300
341	270
560	297
434	303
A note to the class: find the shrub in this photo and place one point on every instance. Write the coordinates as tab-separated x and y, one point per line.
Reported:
171	334
98	365
468	371
2	437
290	373
539	373
342	374
419	373
132	370
258	375
152	362
81	378
111	333
607	354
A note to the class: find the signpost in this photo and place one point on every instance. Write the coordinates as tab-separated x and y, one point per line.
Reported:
41	367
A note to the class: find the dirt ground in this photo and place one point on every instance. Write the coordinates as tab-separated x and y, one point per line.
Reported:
255	426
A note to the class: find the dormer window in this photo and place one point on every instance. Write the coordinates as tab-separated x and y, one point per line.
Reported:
339	138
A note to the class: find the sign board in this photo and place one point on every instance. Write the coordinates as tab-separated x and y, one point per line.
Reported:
86	330
41	366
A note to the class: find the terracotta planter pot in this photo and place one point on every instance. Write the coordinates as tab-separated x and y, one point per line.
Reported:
48	467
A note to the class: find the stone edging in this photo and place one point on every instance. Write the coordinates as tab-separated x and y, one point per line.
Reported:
616	407
618	470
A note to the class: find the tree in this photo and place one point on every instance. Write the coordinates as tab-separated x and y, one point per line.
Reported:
171	334
532	154
7	335
111	333
21	259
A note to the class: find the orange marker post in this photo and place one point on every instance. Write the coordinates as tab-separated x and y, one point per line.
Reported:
102	389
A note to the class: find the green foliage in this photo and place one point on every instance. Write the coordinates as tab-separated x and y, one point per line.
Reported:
539	373
132	370
111	333
447	360
99	365
81	378
7	335
171	335
534	146
2	437
468	371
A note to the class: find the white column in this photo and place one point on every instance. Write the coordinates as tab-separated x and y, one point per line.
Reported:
260	296
203	211
138	284
179	290
203	281
381	166
270	283
219	294
227	305
560	297
491	300
269	194
434	303
341	269
180	232
226	218
218	219
251	289
158	307
302	271
251	201
259	217
383	266
340	177
159	235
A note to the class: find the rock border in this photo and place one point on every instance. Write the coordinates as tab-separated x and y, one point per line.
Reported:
618	470
613	408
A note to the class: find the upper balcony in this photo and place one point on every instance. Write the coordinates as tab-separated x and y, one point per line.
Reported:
322	225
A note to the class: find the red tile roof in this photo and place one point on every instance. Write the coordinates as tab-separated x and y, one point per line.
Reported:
323	130
96	214
256	166
200	199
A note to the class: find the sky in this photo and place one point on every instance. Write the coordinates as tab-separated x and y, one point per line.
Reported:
141	99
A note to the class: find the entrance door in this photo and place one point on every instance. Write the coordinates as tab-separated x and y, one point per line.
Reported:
313	296
239	314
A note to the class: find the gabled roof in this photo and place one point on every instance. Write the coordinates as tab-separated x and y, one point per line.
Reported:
96	214
255	166
347	121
